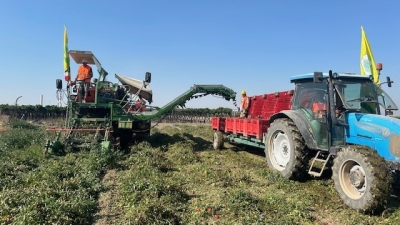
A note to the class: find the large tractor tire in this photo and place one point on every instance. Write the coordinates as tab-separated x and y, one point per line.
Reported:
285	149
218	140
362	179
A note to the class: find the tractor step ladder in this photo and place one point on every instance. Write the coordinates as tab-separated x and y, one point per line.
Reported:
318	158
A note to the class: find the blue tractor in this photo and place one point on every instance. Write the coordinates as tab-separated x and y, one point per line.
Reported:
338	121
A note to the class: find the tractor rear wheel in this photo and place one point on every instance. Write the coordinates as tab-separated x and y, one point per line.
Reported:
285	149
362	179
218	140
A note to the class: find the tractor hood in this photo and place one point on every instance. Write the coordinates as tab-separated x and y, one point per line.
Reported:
381	133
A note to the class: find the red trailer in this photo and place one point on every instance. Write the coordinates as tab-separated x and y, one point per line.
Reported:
250	130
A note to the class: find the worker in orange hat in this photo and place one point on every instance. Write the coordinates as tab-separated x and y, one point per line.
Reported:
244	105
84	75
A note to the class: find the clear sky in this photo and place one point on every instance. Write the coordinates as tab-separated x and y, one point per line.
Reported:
250	45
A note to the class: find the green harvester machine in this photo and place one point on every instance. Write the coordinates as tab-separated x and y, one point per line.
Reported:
108	117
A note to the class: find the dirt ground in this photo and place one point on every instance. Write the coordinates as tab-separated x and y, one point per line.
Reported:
107	201
3	121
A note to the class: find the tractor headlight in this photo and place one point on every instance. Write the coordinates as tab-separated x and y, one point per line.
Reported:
394	145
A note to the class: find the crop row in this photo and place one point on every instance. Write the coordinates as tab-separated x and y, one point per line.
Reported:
40	189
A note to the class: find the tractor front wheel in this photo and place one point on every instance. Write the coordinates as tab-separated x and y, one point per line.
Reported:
362	179
285	149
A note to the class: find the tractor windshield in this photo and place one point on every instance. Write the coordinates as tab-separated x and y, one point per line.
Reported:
363	95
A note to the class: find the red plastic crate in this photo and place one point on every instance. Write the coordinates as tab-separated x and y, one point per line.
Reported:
230	125
241	126
256	127
255	108
261	108
218	123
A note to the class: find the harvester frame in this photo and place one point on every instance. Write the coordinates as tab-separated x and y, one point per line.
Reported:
108	115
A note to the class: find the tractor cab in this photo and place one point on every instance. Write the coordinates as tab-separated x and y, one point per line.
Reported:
363	95
323	106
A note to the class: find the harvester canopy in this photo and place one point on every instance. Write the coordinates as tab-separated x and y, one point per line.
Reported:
78	56
137	87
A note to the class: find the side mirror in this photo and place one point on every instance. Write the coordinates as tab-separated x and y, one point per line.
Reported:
147	78
59	84
318	77
389	82
388	112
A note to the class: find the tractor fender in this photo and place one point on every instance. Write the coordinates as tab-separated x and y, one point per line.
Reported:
301	124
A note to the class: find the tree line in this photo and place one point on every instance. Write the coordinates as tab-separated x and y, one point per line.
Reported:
32	111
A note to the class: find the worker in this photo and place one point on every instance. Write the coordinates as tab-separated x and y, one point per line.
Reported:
244	105
140	103
319	106
83	77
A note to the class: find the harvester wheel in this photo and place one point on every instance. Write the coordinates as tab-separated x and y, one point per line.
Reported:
362	179
218	141
125	139
285	149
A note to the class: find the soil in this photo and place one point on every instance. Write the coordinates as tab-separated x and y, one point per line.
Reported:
108	209
3	121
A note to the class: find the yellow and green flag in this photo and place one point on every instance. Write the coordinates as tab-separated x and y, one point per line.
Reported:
367	63
66	55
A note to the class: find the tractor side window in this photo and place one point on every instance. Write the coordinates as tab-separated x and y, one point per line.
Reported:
303	98
385	101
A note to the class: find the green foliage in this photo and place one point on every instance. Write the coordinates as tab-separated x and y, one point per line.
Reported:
144	195
19	124
175	177
221	187
185	183
53	190
20	135
105	158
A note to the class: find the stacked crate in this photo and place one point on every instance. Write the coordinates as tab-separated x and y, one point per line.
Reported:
262	107
283	101
256	127
218	123
268	107
230	125
255	107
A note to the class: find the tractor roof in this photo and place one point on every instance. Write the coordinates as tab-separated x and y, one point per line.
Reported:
325	75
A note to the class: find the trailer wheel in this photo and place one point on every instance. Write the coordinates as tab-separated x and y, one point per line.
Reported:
362	179
285	149
218	140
